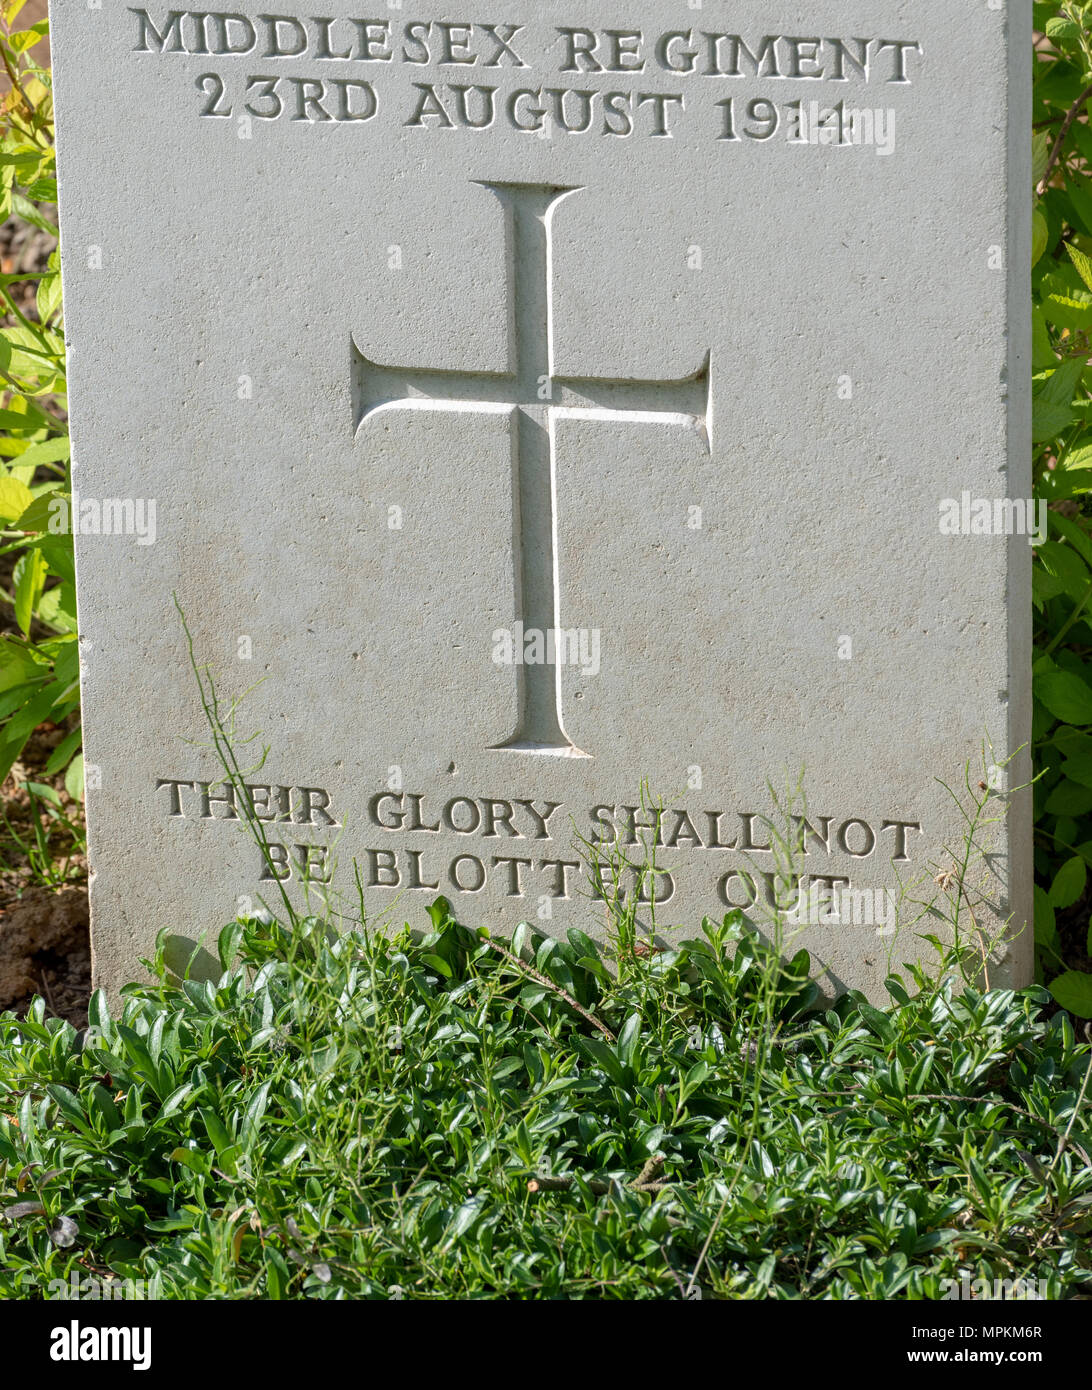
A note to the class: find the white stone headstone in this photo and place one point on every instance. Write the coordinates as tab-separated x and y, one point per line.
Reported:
532	409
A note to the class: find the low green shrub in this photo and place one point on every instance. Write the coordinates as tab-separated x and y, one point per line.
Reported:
359	1117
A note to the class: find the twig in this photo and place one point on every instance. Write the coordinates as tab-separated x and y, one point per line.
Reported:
545	980
1055	153
13	77
597	1185
643	1182
649	1171
673	1272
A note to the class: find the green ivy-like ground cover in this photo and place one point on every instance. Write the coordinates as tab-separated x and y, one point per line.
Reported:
359	1118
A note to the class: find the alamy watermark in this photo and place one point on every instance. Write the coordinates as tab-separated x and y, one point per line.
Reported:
89	1288
76	1343
994	516
107	516
993	1290
822	906
556	646
836	126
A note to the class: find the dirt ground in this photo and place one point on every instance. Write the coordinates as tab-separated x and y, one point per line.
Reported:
45	949
33	11
45	945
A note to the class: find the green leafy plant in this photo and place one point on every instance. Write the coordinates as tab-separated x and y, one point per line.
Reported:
461	1116
1062	325
39	664
50	845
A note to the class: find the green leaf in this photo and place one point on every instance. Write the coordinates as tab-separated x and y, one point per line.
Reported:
48	298
228	942
252	1115
74	778
25	39
1069	882
193	1159
521	938
221	1138
49	508
276	1274
57	607
30	576
629	1038
49	451
43	191
15	498
695	1077
1044	586
27	417
1068	311
583	943
1073	991
1077	537
876	1022
175	1099
1069	799
1061	385
57	553
44	793
466	1215
1078	762
101	1107
1081	199
29	353
23	208
1040	155
606	1058
1082	262
1046	930
1065	695
63	752
1048	420
1063	562
1040	237
1042	350
1061	29
70	1108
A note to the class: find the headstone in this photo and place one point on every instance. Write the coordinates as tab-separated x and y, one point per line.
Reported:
540	417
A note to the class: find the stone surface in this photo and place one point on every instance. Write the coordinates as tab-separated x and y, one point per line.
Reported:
427	338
